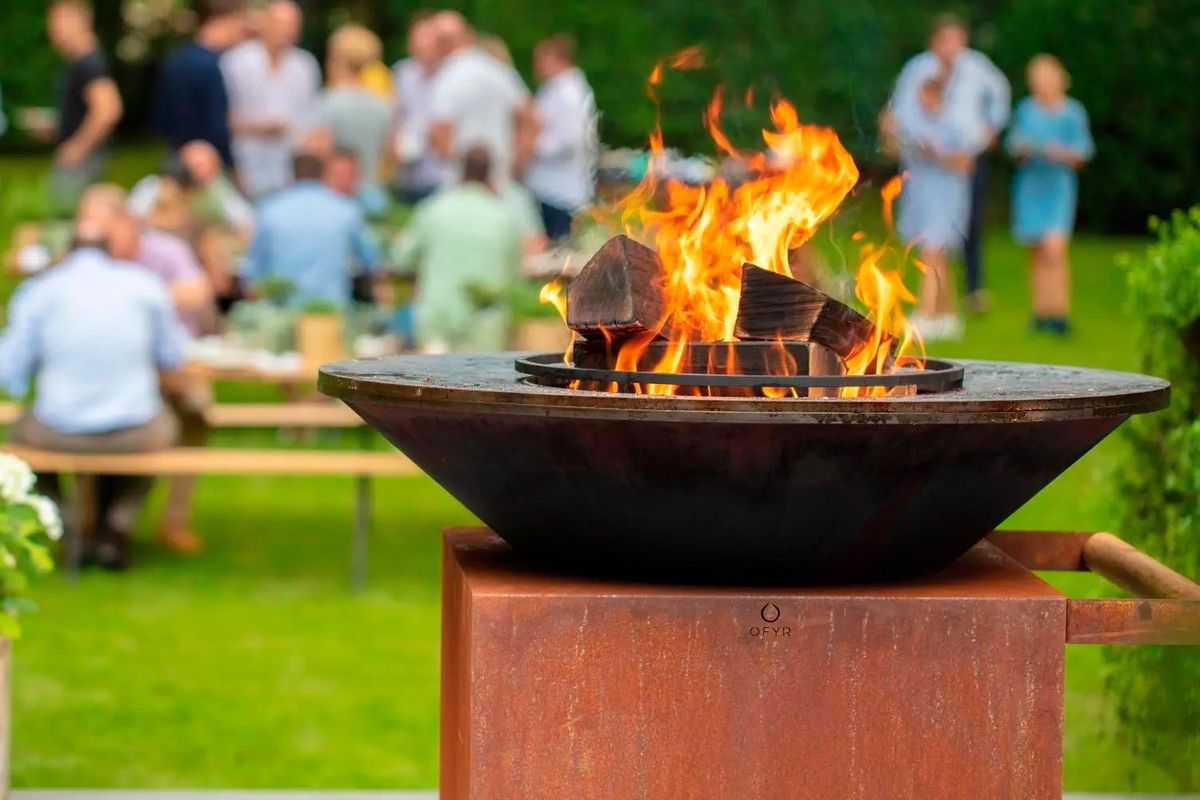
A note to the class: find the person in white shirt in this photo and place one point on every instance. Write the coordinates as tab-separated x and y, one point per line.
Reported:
419	173
562	171
977	99
272	86
476	100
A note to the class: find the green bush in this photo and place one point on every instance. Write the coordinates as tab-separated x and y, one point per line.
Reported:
1158	688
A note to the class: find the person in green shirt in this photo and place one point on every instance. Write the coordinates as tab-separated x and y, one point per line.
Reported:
465	245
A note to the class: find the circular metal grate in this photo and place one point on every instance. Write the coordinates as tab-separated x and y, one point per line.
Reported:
936	376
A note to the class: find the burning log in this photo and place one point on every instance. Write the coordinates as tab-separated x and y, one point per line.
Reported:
620	290
774	306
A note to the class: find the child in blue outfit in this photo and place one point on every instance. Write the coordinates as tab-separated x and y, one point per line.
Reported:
1050	139
935	205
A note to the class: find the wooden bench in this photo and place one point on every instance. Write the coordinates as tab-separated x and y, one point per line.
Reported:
361	465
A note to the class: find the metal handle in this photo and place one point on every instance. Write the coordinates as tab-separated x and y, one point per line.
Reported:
1167	610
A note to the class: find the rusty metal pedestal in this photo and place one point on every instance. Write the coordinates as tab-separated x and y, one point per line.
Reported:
559	687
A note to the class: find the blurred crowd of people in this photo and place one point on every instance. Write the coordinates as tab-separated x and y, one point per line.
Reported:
274	170
948	110
265	147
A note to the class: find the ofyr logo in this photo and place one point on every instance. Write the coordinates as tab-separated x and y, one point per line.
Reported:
770	614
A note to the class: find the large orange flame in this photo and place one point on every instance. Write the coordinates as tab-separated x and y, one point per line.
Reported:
704	234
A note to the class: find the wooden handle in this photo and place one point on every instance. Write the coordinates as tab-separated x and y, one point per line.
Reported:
1168	608
1134	571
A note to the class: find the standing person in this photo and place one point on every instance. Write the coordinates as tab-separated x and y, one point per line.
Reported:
272	86
90	107
353	117
92	334
562	173
977	95
465	243
193	104
934	206
1051	140
312	236
418	175
476	100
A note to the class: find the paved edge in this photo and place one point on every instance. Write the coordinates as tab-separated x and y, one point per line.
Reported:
215	794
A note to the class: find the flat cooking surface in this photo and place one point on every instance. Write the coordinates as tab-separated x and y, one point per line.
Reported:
994	391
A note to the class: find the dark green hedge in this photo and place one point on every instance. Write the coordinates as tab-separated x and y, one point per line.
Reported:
1157	689
1136	64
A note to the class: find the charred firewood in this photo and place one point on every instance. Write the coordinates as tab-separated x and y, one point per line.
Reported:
774	306
620	290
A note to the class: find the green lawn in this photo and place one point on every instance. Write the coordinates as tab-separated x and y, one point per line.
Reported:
251	665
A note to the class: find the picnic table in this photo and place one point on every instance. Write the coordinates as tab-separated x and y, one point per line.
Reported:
362	464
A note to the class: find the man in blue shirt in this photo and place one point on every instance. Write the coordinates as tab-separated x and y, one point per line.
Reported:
94	332
192	100
313	237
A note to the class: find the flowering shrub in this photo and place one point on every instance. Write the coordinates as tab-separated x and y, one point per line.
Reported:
28	523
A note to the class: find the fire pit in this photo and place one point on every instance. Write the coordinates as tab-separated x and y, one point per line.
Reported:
723	423
739	489
719	419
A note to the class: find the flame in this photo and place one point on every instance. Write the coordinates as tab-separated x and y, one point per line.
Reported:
554	294
704	234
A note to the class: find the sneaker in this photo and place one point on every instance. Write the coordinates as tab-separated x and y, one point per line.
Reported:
110	550
951	327
181	540
978	301
929	328
1059	326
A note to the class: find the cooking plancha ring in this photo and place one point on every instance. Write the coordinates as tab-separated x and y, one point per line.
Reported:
937	376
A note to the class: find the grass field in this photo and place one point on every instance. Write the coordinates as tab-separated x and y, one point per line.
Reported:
251	666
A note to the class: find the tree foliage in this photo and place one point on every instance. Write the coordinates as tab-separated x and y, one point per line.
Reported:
1134	65
1158	688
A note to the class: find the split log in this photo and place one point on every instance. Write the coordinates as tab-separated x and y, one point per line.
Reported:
774	306
620	290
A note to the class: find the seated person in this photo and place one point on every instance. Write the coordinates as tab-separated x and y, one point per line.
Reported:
194	199
166	255
342	175
524	206
466	244
172	260
93	333
313	237
211	197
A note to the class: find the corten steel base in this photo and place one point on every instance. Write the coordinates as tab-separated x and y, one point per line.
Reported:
557	688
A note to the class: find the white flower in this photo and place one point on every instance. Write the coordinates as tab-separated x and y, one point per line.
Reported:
47	513
16	478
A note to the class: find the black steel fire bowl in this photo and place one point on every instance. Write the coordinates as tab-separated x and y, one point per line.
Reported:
753	490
